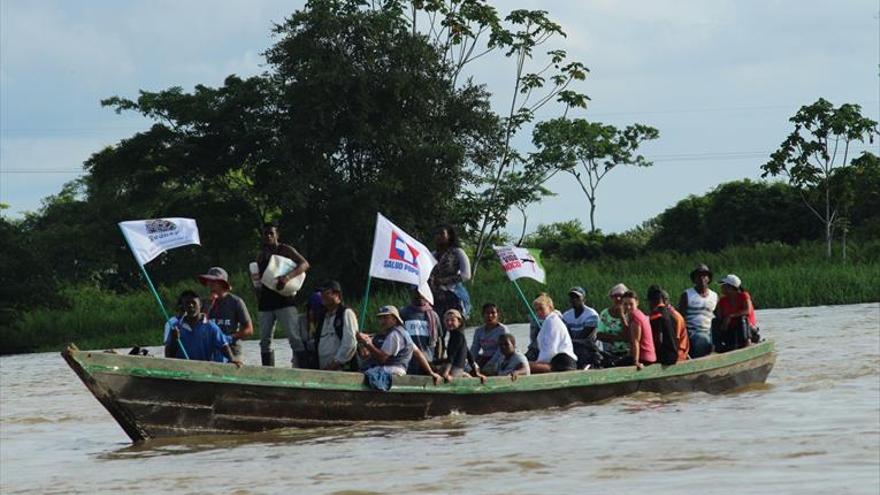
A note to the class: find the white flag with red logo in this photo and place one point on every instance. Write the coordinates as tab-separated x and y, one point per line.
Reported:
399	257
520	262
150	238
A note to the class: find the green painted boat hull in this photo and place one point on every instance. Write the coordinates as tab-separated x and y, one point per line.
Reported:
153	397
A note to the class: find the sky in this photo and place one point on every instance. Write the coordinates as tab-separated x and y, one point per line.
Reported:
719	79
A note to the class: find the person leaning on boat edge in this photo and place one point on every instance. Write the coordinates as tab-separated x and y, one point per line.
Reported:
638	328
335	331
555	350
697	305
391	348
227	310
202	340
273	306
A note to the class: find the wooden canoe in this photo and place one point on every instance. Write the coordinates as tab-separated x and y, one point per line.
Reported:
153	397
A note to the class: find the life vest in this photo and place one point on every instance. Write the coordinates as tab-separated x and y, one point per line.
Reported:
402	358
338	324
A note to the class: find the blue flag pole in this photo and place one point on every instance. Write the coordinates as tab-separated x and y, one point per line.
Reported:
526	302
155	293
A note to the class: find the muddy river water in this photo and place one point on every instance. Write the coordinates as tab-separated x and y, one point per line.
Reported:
814	427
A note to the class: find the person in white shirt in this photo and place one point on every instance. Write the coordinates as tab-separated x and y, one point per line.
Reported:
582	321
555	349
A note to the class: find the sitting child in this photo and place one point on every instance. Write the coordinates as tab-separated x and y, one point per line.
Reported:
457	350
507	361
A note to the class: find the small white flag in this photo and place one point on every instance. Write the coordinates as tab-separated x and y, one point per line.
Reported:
399	257
150	238
520	262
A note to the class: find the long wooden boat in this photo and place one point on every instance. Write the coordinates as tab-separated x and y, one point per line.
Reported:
153	397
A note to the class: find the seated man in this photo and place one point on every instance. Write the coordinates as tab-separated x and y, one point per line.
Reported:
508	361
189	336
423	326
392	348
581	321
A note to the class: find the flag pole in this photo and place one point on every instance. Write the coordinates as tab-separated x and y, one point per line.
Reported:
366	300
155	293
526	302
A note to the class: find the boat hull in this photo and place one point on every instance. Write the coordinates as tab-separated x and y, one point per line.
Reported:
157	397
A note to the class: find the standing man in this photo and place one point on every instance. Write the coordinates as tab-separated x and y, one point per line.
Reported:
227	310
272	305
335	330
697	305
581	321
423	326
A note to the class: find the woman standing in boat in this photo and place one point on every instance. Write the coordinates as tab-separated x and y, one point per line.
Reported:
555	350
697	305
448	276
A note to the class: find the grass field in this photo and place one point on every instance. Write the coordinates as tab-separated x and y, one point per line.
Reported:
776	275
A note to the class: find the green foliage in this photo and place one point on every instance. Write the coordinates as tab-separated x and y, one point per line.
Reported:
588	151
808	158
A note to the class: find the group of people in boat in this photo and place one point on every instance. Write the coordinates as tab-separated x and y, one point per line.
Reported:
427	339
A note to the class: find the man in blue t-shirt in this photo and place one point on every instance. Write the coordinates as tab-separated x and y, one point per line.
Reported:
189	336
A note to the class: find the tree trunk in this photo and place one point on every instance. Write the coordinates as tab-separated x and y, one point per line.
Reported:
592	216
843	238
828	239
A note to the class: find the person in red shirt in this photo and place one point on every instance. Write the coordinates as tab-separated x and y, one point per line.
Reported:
735	314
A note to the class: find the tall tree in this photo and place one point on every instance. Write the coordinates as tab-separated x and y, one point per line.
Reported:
814	151
588	151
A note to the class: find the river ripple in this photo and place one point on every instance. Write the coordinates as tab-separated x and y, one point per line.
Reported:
813	428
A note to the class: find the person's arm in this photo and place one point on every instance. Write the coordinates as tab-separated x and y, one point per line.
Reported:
635	331
424	364
247	326
682	303
475	343
464	265
302	265
522	369
378	354
348	343
227	351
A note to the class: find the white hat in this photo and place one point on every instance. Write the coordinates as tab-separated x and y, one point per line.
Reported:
390	311
731	280
618	290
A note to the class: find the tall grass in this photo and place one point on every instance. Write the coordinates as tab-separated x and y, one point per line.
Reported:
777	276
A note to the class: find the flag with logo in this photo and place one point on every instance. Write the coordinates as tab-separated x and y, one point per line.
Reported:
399	257
150	238
520	262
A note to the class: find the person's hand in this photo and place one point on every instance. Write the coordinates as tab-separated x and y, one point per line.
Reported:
236	362
281	282
639	366
447	378
363	338
436	377
513	377
482	378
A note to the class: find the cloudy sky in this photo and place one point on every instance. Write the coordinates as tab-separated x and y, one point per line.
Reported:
719	79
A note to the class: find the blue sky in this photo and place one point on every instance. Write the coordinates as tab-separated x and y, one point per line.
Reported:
718	79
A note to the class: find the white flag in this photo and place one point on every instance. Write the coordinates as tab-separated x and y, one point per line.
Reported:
520	262
150	238
399	257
